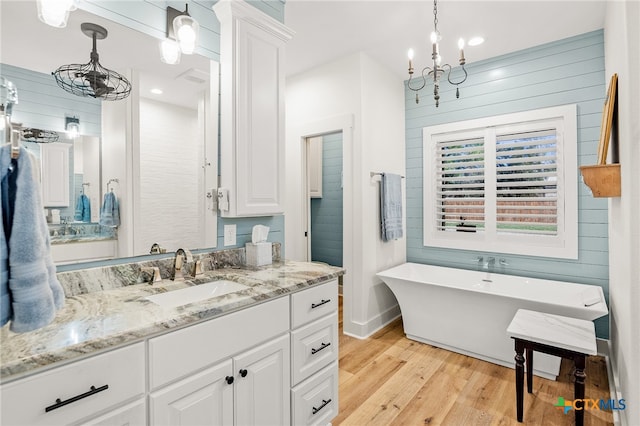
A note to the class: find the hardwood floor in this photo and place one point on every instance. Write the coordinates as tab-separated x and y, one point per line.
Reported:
388	379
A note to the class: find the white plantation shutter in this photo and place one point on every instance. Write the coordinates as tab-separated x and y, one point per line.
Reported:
527	183
503	184
460	185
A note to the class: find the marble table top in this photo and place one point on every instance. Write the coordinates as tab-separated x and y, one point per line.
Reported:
554	330
102	320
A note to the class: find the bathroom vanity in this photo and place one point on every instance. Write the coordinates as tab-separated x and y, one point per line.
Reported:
264	354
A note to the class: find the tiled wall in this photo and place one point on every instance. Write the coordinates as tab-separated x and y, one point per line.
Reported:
563	72
326	212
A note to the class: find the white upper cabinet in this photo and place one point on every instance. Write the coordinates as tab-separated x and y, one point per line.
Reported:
55	174
251	109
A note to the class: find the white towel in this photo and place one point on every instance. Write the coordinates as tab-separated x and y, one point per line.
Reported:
34	289
391	206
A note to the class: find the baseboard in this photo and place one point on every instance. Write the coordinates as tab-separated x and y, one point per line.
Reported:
364	330
604	349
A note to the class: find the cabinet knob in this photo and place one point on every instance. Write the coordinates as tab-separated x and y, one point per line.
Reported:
229	379
243	373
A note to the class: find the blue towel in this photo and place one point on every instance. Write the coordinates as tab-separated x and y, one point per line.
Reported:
391	206
83	209
33	288
110	212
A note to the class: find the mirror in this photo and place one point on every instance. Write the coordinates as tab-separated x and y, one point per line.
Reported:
158	150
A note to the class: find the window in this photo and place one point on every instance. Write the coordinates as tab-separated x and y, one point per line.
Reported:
504	184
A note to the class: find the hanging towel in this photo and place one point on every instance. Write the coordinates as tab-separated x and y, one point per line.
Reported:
8	183
391	206
110	212
83	209
33	287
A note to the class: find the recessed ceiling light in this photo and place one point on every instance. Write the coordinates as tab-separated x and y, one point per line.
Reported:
476	41
156	91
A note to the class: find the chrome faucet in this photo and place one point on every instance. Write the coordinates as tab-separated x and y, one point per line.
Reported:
182	256
490	264
156	249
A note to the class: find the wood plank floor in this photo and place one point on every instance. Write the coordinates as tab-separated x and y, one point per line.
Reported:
388	379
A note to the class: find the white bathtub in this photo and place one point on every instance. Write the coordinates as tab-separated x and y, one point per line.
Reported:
468	311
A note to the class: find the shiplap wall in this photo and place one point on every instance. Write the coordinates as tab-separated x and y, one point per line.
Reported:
563	72
44	105
326	212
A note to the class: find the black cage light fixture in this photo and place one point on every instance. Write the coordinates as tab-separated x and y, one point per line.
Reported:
437	70
92	79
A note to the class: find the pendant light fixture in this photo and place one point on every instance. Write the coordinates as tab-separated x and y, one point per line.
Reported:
182	35
55	12
437	70
92	79
31	134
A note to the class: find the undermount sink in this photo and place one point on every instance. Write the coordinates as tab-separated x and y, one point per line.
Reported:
196	293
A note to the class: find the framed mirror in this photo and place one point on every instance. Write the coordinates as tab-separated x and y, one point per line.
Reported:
158	151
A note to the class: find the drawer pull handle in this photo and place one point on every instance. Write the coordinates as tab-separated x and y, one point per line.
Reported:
322	302
243	373
322	346
60	403
229	380
324	404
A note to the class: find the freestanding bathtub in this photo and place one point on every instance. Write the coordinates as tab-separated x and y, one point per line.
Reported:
468	311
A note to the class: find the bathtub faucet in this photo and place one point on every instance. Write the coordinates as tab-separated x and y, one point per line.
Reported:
489	264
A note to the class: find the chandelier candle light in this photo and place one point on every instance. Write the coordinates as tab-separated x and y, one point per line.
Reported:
437	71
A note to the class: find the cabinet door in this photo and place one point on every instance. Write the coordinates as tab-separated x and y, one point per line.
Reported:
262	384
55	174
205	398
130	415
314	160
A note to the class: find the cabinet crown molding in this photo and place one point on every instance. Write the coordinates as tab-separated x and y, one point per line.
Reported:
231	10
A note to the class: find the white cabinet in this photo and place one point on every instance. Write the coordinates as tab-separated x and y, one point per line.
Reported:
244	381
314	160
77	392
314	355
262	384
251	109
54	163
128	415
205	398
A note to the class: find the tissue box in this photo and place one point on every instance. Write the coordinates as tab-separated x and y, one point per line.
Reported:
258	254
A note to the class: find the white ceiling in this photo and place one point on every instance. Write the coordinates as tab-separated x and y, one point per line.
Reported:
325	30
329	29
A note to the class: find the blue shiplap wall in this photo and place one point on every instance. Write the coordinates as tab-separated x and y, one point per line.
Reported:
326	212
563	72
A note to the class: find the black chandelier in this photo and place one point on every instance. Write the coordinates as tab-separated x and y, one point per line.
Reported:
92	79
437	70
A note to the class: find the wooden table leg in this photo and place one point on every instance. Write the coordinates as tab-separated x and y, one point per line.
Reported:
580	376
529	360
519	378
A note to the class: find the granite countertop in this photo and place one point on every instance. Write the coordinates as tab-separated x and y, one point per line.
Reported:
101	320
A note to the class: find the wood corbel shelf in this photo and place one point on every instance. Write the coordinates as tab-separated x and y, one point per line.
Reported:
604	179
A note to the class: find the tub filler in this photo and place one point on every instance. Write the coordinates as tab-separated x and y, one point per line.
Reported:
468	311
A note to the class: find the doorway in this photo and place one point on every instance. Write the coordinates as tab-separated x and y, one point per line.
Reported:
325	198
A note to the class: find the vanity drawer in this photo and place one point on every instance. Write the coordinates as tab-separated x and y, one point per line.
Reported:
183	352
313	303
315	401
117	376
313	346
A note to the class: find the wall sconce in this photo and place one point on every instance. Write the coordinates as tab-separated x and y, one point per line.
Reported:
55	12
182	28
72	126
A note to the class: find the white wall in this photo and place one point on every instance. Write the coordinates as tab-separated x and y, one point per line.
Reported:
622	56
357	87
